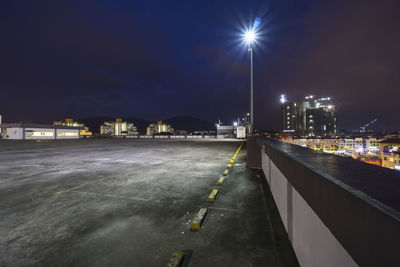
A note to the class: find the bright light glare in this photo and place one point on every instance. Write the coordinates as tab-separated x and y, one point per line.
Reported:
249	36
235	124
283	99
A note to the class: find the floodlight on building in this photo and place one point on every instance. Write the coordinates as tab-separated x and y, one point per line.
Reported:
283	99
235	124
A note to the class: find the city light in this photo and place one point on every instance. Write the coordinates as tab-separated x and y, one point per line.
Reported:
359	150
235	124
283	99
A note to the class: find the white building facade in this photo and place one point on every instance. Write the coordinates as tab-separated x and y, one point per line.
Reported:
118	128
24	131
159	128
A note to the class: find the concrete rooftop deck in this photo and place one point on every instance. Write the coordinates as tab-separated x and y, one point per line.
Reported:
130	202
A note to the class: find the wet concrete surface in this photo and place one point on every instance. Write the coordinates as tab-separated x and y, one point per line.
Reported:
130	203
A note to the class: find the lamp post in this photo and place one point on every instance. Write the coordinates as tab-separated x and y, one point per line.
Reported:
249	38
251	91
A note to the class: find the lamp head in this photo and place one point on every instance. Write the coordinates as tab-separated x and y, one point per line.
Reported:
249	36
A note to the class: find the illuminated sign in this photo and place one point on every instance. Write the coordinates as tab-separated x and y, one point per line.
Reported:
67	134
42	133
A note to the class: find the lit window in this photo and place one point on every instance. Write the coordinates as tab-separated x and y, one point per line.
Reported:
67	134
391	159
42	134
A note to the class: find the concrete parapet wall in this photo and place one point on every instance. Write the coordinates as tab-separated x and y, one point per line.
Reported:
329	222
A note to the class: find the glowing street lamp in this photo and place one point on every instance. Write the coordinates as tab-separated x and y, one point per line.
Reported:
250	37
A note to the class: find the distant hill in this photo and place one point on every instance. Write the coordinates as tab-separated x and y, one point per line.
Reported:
178	123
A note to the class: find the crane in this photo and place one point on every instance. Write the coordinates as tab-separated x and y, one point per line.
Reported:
362	128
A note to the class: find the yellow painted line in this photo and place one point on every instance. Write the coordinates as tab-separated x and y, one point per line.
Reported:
226	172
229	166
212	196
231	162
176	259
196	224
221	180
234	157
237	151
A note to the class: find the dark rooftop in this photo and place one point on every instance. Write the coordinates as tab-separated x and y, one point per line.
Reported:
391	141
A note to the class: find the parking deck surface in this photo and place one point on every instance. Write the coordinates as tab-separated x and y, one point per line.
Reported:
109	202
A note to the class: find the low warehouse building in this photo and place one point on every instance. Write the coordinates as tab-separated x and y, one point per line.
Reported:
38	131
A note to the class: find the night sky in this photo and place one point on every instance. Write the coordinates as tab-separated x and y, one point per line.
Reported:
157	59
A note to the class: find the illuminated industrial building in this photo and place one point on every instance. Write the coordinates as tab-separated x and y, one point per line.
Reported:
22	131
159	128
328	145
69	122
372	145
225	131
390	153
118	128
311	117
